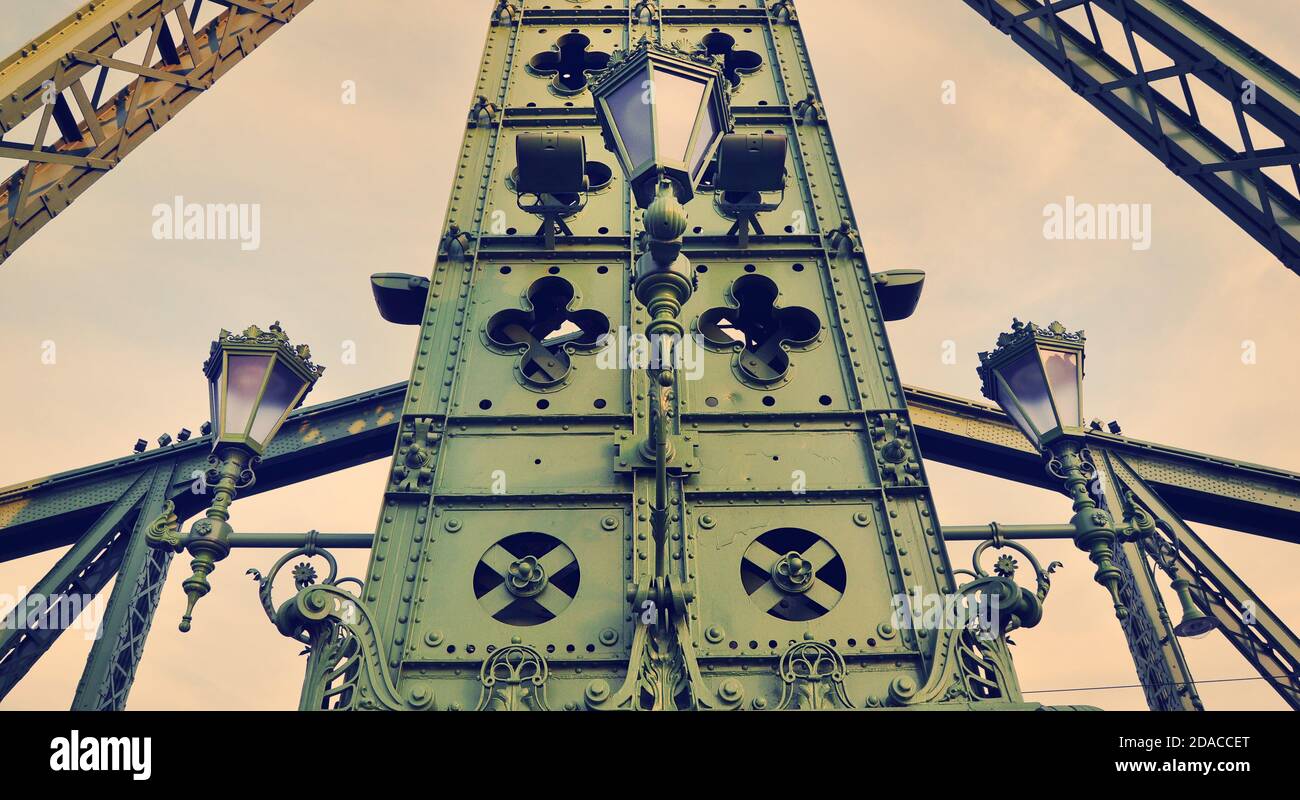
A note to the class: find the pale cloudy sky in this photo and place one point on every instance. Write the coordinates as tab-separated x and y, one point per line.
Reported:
347	190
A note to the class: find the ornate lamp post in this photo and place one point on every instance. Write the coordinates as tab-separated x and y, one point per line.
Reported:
255	379
1036	376
662	111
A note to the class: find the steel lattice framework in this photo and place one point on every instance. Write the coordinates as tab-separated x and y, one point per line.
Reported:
61	77
49	513
1141	76
103	511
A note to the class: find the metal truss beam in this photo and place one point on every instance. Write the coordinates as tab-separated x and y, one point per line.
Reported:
128	495
1158	658
1155	105
1249	625
59	598
50	512
110	668
48	78
317	440
1202	488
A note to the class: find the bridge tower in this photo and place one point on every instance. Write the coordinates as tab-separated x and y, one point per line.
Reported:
514	542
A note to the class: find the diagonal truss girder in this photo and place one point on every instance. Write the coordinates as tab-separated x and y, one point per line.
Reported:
47	80
60	597
110	669
122	498
1255	184
1242	617
1158	659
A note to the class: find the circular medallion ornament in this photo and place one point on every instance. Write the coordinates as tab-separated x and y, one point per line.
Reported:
793	574
526	579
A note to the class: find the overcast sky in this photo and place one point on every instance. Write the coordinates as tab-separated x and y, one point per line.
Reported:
347	190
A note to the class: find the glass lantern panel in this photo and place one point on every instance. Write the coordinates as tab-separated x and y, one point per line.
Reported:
213	385
1014	412
629	105
242	385
1024	378
1062	370
281	391
677	103
708	132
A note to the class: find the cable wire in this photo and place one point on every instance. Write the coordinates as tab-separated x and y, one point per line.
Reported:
1152	685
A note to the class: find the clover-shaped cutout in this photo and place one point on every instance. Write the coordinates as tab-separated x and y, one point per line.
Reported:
547	331
759	330
569	62
735	63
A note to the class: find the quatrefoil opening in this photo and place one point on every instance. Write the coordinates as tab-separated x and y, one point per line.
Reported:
735	63
546	332
760	332
568	62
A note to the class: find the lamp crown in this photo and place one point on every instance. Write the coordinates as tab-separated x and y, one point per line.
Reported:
1023	334
273	336
1023	331
679	49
